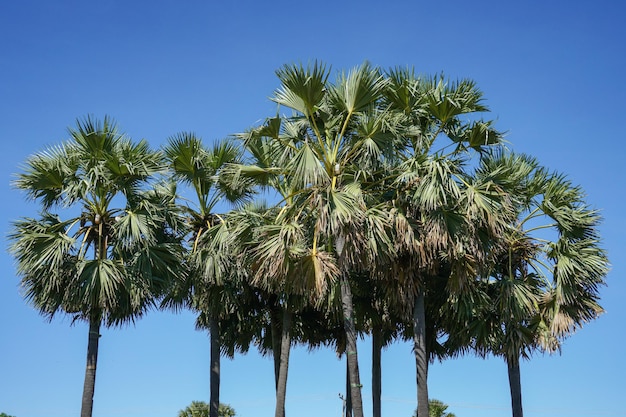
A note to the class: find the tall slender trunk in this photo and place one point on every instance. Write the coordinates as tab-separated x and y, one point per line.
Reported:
92	362
377	346
276	328
215	367
95	320
421	354
348	404
351	350
285	345
515	385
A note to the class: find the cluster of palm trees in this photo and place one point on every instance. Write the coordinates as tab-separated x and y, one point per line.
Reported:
395	211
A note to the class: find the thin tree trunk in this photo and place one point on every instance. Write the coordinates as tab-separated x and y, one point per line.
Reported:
348	389
276	329
515	385
351	350
92	362
377	347
215	367
421	354
285	345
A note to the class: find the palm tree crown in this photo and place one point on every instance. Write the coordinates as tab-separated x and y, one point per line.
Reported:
117	250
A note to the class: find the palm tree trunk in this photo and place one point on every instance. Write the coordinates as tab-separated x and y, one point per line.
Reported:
348	395
276	329
215	367
92	362
515	385
421	354
285	345
351	350
377	347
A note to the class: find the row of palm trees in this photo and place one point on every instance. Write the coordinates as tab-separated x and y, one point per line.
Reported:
395	211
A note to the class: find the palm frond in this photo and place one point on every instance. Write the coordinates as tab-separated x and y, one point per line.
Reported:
306	169
302	89
44	176
357	90
315	270
448	99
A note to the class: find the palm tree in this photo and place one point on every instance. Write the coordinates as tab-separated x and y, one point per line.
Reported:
265	312
545	279
335	157
116	251
210	266
324	152
268	245
442	221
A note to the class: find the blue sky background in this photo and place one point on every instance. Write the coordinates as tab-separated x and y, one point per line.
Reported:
552	73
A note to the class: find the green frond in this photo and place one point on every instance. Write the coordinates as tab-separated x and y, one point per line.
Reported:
477	134
306	170
435	186
259	174
209	171
359	89
344	208
448	99
95	139
372	143
130	163
40	245
271	128
403	91
44	176
302	89
224	152
99	284
134	228
190	161
155	265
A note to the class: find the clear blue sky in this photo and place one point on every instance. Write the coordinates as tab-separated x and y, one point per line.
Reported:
552	73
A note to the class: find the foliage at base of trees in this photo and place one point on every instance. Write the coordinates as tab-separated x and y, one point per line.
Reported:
201	409
436	408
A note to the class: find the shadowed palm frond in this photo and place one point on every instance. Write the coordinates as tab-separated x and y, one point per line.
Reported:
448	99
315	271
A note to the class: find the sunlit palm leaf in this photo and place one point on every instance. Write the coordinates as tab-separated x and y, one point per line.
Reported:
306	169
302	88
357	90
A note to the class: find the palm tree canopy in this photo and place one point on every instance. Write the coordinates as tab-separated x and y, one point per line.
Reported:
214	286
117	249
544	279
